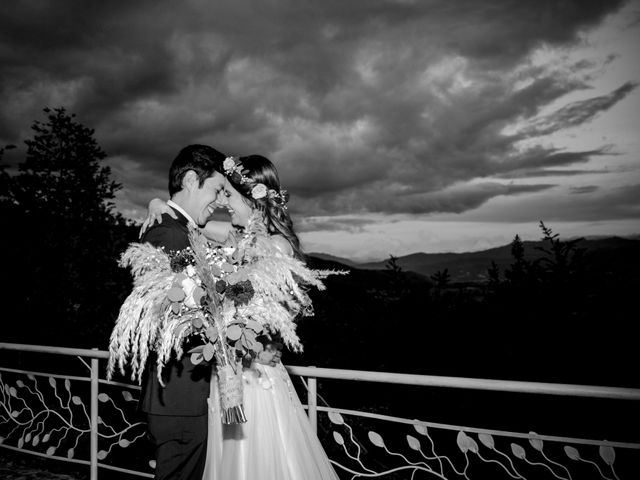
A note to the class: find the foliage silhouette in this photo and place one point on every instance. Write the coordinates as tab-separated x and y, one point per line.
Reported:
441	278
65	237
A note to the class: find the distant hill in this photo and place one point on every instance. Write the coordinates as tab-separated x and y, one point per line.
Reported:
376	276
472	266
333	258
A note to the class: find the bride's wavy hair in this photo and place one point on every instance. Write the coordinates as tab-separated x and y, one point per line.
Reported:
259	169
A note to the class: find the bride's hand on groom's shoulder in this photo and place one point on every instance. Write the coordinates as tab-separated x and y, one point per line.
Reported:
155	210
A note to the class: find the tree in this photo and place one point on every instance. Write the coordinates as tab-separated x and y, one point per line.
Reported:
563	259
397	279
392	265
67	237
518	271
441	278
493	274
62	174
5	178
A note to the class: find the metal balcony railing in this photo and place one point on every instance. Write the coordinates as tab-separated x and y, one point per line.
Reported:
51	415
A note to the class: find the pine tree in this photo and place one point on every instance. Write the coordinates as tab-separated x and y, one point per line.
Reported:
66	238
441	278
516	274
62	173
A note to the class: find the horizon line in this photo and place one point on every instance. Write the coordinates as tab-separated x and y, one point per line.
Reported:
632	236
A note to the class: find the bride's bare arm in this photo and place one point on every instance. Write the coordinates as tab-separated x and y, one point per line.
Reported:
156	208
213	230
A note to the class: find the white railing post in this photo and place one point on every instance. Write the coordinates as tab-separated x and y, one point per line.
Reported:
312	401
94	419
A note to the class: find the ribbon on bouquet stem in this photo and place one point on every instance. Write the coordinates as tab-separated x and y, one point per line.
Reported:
230	387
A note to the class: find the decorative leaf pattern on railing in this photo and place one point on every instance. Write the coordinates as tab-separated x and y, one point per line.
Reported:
30	421
44	414
480	455
47	414
125	432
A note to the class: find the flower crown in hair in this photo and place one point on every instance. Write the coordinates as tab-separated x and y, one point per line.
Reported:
234	170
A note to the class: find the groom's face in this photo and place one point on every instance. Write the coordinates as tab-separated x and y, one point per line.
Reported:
206	198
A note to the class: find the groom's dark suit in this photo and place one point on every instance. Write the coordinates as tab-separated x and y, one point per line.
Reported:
177	412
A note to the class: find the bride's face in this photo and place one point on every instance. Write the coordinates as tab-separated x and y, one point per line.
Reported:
238	206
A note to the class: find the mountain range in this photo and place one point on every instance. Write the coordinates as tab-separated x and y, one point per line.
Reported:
472	266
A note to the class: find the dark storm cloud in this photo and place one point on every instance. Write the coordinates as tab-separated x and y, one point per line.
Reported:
619	203
554	173
583	189
97	55
540	158
581	204
455	199
461	199
366	106
577	113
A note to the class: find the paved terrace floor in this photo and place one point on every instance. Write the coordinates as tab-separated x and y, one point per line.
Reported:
16	466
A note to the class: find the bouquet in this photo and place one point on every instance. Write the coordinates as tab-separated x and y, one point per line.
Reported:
174	297
226	340
227	295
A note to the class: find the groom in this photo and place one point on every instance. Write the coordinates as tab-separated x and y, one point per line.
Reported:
177	412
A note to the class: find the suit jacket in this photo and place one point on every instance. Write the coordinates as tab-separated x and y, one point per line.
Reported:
186	385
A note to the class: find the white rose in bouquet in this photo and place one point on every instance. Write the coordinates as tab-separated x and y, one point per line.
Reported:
189	286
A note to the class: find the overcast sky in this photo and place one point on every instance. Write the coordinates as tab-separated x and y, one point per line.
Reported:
397	126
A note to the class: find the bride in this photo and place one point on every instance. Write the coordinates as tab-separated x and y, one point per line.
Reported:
277	442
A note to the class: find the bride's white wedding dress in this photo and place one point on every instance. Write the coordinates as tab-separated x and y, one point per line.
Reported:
276	443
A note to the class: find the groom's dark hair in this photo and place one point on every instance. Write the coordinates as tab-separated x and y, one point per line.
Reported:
202	159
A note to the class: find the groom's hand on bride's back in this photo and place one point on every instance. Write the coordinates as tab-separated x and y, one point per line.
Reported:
155	210
271	355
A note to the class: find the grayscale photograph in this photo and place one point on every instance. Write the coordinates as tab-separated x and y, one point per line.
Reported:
320	239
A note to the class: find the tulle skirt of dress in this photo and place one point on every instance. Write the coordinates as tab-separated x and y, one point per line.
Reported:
276	443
